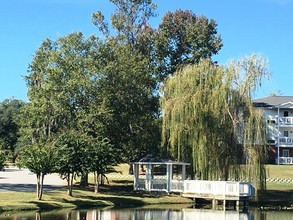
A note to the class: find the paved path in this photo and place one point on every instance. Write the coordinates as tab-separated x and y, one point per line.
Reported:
14	179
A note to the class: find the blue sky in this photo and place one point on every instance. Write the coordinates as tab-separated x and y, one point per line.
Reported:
246	27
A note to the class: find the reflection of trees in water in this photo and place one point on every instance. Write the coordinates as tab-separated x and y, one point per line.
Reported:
149	214
138	214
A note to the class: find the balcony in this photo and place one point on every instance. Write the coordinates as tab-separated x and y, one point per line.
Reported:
284	121
285	141
285	160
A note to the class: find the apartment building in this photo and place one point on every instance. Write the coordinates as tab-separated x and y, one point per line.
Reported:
279	118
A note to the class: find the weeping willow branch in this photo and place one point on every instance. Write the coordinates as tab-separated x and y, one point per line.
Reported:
209	120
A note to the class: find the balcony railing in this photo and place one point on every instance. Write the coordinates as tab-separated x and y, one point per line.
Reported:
285	160
285	141
284	121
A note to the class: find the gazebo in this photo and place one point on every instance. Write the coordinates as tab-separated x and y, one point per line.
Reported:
154	174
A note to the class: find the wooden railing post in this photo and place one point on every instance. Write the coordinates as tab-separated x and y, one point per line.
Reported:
148	177
136	175
169	176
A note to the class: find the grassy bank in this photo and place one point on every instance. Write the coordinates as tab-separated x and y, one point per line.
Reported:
120	196
278	195
120	193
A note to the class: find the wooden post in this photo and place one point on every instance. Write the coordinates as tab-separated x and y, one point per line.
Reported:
136	175
148	177
215	203
169	177
237	203
183	172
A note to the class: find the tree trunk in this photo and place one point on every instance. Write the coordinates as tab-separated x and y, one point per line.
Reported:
70	183
38	216
84	179
130	170
96	182
38	186
41	187
102	178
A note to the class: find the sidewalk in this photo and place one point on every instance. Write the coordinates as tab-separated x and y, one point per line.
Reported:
15	179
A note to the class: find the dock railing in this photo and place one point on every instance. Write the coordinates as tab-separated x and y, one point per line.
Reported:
218	188
199	187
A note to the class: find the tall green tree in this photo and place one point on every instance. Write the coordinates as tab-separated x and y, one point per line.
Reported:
129	90
9	125
129	83
64	90
209	120
140	57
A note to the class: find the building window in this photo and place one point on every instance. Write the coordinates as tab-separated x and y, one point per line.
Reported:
286	113
285	153
286	133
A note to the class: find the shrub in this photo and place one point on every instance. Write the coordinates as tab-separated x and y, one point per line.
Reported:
2	160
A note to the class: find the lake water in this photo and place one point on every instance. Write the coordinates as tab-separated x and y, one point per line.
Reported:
149	214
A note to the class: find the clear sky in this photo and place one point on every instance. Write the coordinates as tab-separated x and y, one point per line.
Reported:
246	27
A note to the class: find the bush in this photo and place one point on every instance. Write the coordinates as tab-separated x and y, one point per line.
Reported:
2	160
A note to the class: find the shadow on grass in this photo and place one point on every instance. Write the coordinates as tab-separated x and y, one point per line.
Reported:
127	190
45	205
123	181
108	195
119	196
91	201
276	198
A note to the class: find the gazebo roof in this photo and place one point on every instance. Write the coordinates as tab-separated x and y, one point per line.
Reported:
157	161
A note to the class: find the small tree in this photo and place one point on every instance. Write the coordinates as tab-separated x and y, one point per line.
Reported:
39	159
71	156
102	157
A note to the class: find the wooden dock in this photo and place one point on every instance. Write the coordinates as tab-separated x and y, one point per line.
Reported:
196	189
219	191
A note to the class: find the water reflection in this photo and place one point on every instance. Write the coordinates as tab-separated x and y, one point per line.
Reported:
149	214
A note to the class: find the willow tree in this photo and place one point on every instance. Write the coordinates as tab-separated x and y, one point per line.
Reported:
209	119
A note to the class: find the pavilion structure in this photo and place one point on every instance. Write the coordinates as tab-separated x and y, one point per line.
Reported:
169	176
159	175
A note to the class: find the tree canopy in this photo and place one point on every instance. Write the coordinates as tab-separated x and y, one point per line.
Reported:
63	89
40	160
9	126
183	38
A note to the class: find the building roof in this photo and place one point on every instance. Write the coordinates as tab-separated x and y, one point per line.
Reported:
273	101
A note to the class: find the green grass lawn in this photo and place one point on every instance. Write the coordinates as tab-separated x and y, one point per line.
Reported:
278	194
120	193
84	197
280	171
